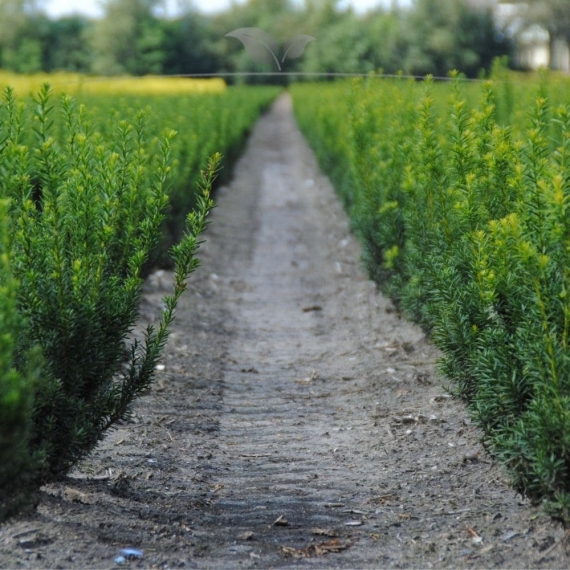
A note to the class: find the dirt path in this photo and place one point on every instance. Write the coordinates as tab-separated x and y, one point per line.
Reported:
298	421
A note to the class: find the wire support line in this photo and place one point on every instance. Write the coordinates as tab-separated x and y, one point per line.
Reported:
295	74
370	75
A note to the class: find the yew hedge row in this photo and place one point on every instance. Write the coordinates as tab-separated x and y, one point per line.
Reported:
460	193
86	191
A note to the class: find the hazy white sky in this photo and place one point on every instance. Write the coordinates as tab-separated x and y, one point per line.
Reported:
92	7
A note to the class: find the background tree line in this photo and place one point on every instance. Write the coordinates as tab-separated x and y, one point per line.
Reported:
431	36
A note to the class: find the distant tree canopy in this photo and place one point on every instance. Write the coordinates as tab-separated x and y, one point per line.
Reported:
431	36
449	34
128	39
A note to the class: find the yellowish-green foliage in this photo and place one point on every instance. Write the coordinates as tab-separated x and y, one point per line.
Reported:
87	187
206	114
460	193
78	84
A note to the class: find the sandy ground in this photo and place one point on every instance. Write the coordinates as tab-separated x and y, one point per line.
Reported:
298	421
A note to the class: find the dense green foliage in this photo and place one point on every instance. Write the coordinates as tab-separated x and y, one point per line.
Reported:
460	196
205	123
134	37
16	386
83	198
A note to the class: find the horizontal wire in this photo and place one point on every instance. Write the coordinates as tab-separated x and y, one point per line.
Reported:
316	74
222	74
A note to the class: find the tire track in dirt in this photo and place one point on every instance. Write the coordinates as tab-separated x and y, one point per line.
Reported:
298	421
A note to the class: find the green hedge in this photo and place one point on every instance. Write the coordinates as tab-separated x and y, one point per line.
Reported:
459	193
17	464
205	123
83	201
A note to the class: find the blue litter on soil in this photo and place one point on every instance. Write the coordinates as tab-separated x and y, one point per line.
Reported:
128	554
131	553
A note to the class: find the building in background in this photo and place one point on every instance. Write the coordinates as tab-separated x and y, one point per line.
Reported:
534	45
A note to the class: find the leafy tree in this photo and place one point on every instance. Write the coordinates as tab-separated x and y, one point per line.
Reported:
128	39
189	45
383	29
279	18
441	35
342	46
67	48
431	36
23	34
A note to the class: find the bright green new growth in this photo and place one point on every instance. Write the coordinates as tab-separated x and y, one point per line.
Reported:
460	198
85	212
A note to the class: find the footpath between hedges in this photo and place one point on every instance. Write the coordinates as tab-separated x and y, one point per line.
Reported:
298	421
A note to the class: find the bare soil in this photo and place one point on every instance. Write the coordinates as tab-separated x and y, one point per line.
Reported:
298	422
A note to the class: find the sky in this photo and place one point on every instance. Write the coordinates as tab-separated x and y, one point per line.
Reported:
58	8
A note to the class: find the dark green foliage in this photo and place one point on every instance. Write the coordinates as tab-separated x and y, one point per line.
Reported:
84	200
137	37
80	246
444	34
464	221
17	463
